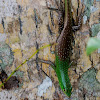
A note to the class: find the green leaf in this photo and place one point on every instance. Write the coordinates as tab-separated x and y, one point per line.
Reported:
92	45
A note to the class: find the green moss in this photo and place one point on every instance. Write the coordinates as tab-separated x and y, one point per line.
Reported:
19	73
88	4
6	55
89	82
95	29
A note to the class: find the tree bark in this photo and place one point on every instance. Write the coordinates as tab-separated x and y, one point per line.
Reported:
25	26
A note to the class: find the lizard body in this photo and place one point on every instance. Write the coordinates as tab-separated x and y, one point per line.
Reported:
62	51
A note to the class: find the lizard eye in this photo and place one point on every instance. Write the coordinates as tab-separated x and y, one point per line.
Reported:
64	90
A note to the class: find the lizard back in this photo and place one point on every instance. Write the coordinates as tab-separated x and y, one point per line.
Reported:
64	41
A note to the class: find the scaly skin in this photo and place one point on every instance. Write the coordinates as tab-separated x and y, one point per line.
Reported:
62	74
63	49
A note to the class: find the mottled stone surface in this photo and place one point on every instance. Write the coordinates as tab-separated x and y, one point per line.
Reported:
6	55
26	25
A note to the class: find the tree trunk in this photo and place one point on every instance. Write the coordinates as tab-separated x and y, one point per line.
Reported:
25	26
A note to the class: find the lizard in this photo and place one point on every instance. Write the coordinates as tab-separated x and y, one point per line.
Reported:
63	50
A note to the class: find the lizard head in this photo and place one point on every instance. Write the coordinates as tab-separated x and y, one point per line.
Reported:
67	91
67	88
